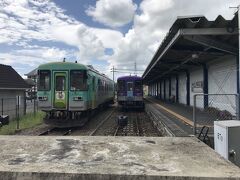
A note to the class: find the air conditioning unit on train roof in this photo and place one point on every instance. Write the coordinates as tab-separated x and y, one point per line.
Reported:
91	67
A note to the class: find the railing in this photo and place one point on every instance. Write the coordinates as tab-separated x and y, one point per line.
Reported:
208	108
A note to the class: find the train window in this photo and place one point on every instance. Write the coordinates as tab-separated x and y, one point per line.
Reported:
93	83
100	85
78	80
44	80
130	86
121	85
138	86
60	83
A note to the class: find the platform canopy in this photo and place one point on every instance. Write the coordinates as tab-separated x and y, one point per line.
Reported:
190	42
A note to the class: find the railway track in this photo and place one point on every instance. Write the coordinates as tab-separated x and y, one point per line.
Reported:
101	123
139	124
131	129
56	132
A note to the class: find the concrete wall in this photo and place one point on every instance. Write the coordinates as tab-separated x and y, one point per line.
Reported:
10	102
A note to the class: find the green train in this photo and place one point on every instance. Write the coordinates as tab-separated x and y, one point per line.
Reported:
69	92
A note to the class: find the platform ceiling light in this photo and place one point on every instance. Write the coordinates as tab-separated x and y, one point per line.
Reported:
230	29
195	56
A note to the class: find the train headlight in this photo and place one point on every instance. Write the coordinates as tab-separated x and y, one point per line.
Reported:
77	98
43	98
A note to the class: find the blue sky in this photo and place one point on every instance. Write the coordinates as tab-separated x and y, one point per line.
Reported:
103	33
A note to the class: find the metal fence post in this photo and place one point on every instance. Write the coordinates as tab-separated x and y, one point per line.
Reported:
18	102
2	106
237	106
34	107
194	114
25	104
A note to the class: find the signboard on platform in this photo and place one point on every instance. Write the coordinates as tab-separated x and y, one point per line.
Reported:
197	87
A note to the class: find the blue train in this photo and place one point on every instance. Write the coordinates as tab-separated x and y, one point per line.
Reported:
130	92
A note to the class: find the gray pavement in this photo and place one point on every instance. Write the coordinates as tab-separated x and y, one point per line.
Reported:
203	118
25	157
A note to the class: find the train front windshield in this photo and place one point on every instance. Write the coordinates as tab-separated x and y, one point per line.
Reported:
78	80
44	80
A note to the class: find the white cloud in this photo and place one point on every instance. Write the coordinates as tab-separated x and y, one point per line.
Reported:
113	13
23	21
154	21
109	38
34	56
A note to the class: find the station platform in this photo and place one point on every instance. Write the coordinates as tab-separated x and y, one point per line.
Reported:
181	116
99	157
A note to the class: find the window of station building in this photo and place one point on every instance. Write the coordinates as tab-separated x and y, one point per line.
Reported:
121	85
138	86
78	80
60	83
44	80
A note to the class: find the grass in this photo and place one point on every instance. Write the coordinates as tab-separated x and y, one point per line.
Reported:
25	122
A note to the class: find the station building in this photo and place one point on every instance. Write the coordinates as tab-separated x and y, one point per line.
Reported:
197	56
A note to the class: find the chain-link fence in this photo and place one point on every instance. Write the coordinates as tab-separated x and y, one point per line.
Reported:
17	107
208	108
11	107
32	106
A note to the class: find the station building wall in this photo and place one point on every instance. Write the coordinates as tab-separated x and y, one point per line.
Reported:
10	102
182	91
167	89
162	89
222	79
159	89
196	86
173	86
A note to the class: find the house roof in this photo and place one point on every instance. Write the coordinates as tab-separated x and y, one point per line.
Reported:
190	42
10	79
32	73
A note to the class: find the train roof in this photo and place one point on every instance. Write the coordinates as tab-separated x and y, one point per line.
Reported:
62	65
130	78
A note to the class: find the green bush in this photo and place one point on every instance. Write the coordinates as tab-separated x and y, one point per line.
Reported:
25	122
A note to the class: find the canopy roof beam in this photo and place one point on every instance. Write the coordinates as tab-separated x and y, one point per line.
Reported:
212	43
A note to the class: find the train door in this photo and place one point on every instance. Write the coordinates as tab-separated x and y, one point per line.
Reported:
129	90
60	90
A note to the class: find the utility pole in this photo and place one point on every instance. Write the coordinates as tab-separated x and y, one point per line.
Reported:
135	68
113	73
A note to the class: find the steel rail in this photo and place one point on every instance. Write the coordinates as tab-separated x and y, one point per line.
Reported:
116	131
137	125
46	132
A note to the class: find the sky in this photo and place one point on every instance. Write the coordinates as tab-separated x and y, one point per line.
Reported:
103	33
